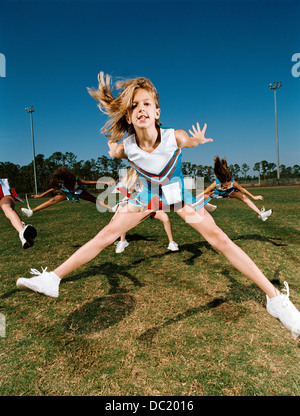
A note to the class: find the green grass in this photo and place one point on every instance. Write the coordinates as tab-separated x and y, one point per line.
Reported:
149	321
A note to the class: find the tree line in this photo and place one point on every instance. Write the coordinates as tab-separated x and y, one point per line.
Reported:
22	177
264	169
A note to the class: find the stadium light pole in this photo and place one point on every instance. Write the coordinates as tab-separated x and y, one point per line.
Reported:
274	87
30	110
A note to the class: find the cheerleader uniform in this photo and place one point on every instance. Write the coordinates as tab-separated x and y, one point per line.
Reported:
161	175
6	190
78	189
219	192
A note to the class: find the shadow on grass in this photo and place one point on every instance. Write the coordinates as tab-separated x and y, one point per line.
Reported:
258	237
194	248
129	238
152	332
9	294
111	271
139	237
100	314
237	294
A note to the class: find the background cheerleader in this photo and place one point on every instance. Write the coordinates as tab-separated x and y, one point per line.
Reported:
69	187
8	196
225	186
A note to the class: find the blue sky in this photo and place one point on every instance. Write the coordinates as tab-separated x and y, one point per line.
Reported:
211	61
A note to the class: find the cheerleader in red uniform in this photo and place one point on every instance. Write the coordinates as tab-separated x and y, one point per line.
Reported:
8	196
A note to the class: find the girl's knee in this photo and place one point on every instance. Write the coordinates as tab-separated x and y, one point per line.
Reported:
106	236
218	239
162	216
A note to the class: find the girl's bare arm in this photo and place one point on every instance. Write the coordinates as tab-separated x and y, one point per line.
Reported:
45	193
117	150
197	137
244	191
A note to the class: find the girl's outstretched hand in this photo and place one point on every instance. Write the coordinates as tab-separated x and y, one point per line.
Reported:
112	148
198	134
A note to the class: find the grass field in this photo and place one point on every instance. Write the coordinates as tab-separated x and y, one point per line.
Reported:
148	321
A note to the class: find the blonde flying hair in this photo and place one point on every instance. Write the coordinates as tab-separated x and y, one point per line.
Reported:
118	107
130	179
221	170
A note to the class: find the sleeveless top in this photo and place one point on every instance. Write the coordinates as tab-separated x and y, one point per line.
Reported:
78	189
219	192
160	173
6	190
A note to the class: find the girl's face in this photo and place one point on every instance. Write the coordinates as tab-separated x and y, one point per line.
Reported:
225	185
144	112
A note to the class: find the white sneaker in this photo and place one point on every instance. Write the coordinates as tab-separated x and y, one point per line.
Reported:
173	246
27	235
265	215
46	283
27	211
282	308
210	207
121	245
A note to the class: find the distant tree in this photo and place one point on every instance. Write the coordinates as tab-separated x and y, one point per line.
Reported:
256	168
69	160
186	168
200	170
103	165
264	168
208	173
245	169
115	166
11	171
271	170
296	171
235	170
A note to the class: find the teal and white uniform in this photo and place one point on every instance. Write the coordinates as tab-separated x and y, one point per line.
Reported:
219	192
78	189
161	175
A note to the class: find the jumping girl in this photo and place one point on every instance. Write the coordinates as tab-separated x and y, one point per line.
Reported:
69	187
131	183
156	155
8	196
225	186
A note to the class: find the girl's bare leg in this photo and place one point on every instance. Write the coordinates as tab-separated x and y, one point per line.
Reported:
246	200
7	204
122	222
50	202
163	217
91	198
123	237
206	226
